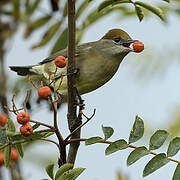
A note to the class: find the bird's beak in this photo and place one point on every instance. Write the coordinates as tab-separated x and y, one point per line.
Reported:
127	42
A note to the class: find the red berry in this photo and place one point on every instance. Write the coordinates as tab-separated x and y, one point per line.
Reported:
23	117
3	119
138	46
60	61
1	158
26	129
14	154
44	92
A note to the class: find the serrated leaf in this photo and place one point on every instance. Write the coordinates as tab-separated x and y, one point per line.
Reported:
174	147
116	146
35	126
108	132
137	130
48	35
50	170
7	155
154	9
94	140
139	13
155	163
71	174
20	149
104	4
136	154
10	125
61	42
63	169
158	139
176	173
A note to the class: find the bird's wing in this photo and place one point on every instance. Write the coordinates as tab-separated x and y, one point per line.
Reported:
64	52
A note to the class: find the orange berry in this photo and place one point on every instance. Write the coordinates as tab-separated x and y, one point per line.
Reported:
44	92
1	158
60	61
14	154
3	119
23	117
138	46
26	129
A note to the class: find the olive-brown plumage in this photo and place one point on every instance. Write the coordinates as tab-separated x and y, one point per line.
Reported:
97	62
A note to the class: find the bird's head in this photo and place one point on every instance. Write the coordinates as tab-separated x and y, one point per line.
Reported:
116	42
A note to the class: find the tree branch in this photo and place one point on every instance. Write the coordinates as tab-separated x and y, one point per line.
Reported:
72	116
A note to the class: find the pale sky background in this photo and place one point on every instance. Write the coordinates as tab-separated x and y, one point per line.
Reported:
116	103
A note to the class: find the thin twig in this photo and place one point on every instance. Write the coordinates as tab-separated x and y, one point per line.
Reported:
8	109
58	134
15	110
26	99
43	124
45	130
49	140
79	127
34	85
129	145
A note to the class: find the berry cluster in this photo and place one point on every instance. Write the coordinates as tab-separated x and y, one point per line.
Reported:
23	118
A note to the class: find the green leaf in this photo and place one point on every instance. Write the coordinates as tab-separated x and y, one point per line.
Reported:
120	2
108	132
82	8
62	169
16	9
7	155
154	9
20	149
137	130
136	154
167	1
155	163
38	23
11	133
48	35
33	137
35	126
32	7
104	4
174	147
49	170
176	173
61	42
10	125
139	13
71	174
158	139
94	140
116	146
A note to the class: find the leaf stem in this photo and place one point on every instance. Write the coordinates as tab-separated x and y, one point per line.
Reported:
130	146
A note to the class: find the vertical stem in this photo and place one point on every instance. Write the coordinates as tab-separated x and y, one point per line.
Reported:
72	117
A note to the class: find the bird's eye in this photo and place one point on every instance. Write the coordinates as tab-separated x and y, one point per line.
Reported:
116	39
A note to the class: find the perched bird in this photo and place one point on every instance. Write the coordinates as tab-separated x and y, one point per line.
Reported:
97	62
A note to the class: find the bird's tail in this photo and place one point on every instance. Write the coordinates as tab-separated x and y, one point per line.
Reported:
23	70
